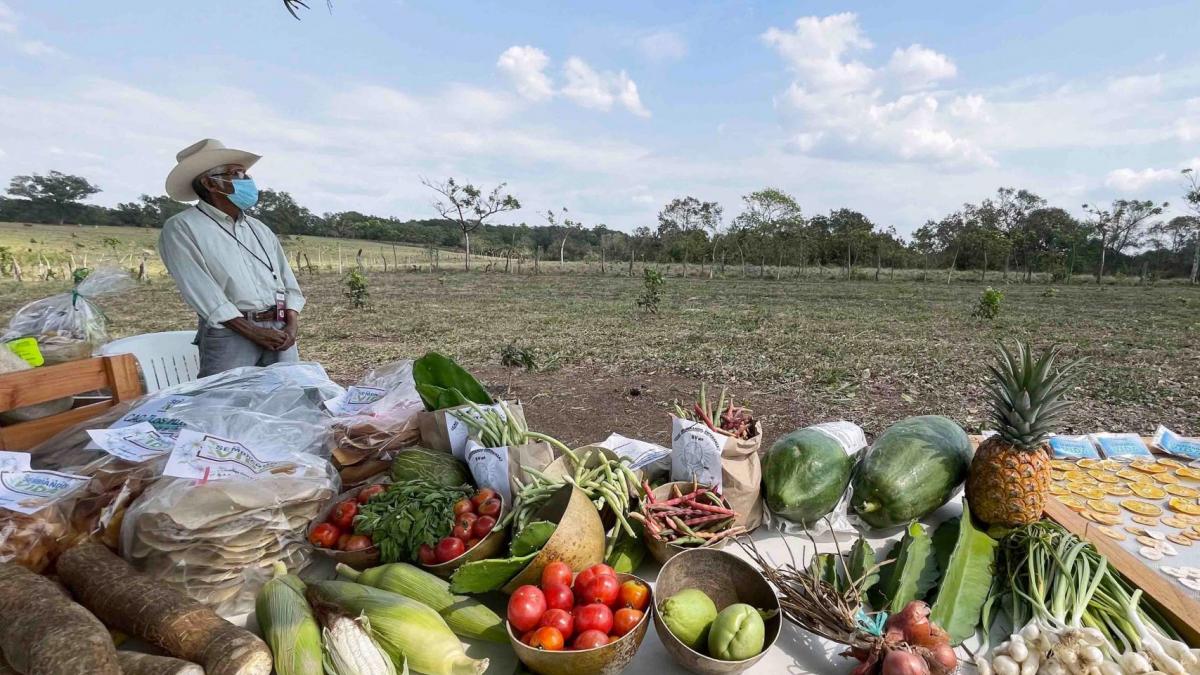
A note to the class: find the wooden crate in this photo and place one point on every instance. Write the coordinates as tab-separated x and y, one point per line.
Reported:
116	375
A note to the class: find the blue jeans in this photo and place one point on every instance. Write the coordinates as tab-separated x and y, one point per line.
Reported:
223	349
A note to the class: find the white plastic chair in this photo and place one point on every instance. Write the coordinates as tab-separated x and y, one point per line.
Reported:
166	359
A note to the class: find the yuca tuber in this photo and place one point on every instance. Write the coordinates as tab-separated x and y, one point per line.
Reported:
144	607
137	663
45	633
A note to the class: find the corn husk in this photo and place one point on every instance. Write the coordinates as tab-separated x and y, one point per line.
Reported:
465	616
349	647
288	625
405	628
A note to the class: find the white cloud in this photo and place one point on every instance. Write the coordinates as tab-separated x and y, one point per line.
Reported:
663	46
1136	85
592	89
37	48
1132	180
916	67
840	107
10	26
526	68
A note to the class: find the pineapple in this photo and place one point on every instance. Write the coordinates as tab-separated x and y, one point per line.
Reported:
1010	473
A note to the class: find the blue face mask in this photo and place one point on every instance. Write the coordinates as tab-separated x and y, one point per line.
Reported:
245	193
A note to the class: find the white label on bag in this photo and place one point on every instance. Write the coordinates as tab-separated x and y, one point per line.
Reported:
354	400
153	412
1173	443
489	468
457	431
696	453
848	434
206	457
31	491
134	443
1072	447
640	453
1121	446
14	461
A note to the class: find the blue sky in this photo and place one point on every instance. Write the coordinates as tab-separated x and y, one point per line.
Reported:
900	110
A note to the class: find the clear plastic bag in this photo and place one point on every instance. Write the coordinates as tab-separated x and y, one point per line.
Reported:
373	419
216	540
69	326
840	520
34	516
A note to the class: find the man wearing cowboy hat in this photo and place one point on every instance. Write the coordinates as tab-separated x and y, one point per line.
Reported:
230	268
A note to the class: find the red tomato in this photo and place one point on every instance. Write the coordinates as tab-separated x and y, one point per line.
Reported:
602	589
559	596
585	577
427	555
462	506
324	535
547	638
525	607
634	594
470	543
343	514
341	542
560	619
626	620
358	542
527	636
482	496
490	507
613	638
365	494
557	572
594	617
463	525
590	639
450	548
483	527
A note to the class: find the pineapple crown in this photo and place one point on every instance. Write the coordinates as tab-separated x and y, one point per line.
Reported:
1026	394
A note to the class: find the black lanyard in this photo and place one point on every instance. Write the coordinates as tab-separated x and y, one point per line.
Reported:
265	260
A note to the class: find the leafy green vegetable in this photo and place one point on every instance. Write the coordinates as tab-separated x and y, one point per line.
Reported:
532	538
442	383
913	572
431	465
968	578
407	515
862	559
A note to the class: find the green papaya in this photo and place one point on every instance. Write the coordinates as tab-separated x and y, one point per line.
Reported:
804	475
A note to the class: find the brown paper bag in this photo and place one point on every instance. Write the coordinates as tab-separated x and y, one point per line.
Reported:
441	431
698	453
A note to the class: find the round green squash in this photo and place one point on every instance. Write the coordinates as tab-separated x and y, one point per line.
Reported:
911	469
804	475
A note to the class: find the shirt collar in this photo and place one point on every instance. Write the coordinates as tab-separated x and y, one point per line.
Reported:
220	215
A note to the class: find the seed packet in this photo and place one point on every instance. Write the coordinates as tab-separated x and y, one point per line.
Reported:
1122	446
1170	442
1073	447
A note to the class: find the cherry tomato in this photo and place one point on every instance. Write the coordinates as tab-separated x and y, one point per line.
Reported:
490	507
634	594
358	542
463	525
483	527
470	543
559	596
560	619
525	607
462	506
482	496
626	620
324	535
590	639
450	548
365	494
557	572
343	514
585	577
547	638
341	542
594	617
602	589
427	555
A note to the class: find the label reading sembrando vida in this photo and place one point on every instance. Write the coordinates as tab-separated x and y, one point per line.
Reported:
30	491
204	456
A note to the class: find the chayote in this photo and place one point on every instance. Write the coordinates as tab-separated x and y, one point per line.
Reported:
737	633
688	615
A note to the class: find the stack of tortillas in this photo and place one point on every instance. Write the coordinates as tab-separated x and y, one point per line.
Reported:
217	541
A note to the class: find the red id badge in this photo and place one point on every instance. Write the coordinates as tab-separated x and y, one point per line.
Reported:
280	306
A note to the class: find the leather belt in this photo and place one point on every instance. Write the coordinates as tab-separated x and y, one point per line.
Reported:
265	315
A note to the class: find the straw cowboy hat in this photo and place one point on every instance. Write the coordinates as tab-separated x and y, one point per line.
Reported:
199	157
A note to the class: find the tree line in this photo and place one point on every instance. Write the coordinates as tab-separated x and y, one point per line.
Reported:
1014	233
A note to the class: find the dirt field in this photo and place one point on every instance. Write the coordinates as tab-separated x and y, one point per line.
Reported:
798	353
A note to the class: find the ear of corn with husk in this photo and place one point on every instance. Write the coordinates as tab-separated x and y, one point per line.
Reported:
405	628
465	616
288	625
349	647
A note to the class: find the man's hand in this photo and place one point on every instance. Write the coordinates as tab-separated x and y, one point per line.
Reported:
267	338
290	330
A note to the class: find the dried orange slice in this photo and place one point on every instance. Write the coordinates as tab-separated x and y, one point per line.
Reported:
1142	508
1146	540
1116	490
1148	466
1076	476
1073	502
1058	476
1130	474
1111	533
1087	463
1103	476
1102	518
1166	478
1181	539
1176	521
1147	491
1056	489
1062	465
1086	491
1181	505
1148	521
1192	534
1194	520
1182	491
1102	506
1167	461
1110	465
1135	530
1188	473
